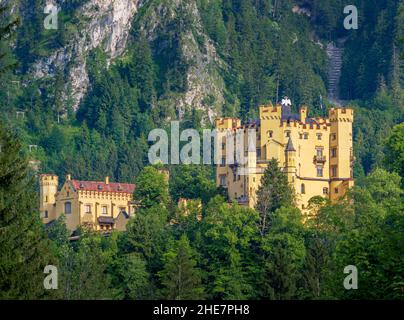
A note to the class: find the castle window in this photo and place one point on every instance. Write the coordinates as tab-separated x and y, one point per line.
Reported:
319	136
68	207
223	180
258	153
223	162
223	146
300	136
87	208
270	133
334	171
287	134
319	171
46	214
46	198
319	152
303	206
325	190
334	136
336	190
104	210
334	152
305	135
302	189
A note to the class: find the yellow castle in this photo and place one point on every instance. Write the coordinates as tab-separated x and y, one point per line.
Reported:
315	153
98	205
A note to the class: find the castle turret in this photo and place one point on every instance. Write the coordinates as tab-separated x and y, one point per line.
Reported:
290	160
48	187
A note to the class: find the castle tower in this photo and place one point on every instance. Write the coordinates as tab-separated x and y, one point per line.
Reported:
341	154
271	136
48	187
290	161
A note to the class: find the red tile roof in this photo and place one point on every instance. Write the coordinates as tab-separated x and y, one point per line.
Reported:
102	186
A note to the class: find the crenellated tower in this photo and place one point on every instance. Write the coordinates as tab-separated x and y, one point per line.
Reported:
341	152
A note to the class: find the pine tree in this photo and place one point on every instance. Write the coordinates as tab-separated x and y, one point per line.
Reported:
6	63
180	277
273	193
283	255
24	249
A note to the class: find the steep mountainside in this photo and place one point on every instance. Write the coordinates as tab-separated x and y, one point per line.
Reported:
93	88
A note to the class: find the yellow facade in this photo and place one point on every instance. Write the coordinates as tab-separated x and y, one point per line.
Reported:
315	153
98	205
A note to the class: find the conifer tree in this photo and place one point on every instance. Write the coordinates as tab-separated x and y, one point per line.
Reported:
273	193
180	277
24	249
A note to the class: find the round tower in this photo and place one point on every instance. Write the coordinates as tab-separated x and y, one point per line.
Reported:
48	187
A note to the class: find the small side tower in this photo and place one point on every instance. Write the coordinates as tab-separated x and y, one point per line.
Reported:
48	187
270	118
290	161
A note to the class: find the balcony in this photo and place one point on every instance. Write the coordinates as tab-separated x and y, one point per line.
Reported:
319	159
242	200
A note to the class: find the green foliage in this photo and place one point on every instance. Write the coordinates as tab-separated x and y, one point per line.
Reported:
273	193
192	182
151	188
394	150
228	235
180	277
24	249
132	277
283	255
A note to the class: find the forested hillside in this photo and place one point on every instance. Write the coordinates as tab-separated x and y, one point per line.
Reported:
82	99
192	60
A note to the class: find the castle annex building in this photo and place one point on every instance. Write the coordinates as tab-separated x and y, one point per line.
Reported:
315	153
98	205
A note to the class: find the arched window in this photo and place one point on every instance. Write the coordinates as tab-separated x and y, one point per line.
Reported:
68	207
302	189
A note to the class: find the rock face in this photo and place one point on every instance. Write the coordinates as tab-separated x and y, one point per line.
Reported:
106	23
198	52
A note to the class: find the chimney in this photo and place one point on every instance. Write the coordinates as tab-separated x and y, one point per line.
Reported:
68	177
106	180
303	114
